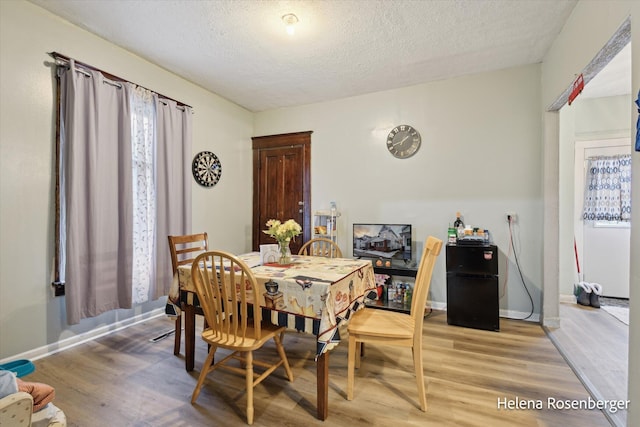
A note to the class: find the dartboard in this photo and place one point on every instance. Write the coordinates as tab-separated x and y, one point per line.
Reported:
207	169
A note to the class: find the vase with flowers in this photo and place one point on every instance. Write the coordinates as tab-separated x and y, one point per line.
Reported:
283	232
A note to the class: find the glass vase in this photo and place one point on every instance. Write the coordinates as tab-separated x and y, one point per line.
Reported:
285	253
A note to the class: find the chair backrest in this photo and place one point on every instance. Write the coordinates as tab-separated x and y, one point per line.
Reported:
431	251
16	409
321	247
227	289
185	248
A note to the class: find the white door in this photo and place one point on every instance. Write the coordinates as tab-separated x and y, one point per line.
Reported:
604	249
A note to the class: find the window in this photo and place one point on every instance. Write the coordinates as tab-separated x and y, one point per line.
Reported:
118	144
607	194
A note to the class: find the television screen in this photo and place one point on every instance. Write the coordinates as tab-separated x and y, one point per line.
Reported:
386	241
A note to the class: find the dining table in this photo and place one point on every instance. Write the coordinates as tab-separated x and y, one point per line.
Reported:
314	295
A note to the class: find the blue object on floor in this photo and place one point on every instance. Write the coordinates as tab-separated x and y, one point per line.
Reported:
21	367
638	124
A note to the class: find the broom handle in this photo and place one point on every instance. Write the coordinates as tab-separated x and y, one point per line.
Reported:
575	250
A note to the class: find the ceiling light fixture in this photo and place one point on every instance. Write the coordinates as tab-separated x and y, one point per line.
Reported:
290	20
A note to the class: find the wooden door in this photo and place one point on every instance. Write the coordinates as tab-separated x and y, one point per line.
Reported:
281	184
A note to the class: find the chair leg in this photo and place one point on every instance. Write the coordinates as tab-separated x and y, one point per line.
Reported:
417	363
283	356
205	326
206	368
351	363
249	380
359	353
177	335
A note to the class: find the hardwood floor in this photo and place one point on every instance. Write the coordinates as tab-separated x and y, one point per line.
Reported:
596	346
123	379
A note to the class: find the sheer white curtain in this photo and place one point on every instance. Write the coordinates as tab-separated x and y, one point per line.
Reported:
125	177
96	171
143	131
607	193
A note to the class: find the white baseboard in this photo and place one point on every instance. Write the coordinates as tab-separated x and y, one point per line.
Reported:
437	305
567	298
47	350
520	315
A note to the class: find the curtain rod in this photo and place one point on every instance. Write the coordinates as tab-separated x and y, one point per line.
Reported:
65	59
608	156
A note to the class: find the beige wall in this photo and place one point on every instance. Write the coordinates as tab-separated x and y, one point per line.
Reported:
30	317
480	155
588	29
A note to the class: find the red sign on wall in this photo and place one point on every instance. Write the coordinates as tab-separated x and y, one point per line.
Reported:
578	85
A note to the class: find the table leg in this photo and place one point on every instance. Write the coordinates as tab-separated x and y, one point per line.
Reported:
189	336
323	385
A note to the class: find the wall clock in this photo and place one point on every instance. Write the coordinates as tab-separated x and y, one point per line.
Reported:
206	168
403	141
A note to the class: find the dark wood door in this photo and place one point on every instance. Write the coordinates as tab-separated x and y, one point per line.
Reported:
281	184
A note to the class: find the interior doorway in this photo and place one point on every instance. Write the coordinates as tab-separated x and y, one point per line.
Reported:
604	248
593	361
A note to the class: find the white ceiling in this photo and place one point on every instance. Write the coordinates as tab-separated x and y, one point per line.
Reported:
239	48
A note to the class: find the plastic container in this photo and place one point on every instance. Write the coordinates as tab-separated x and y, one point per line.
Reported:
20	367
452	235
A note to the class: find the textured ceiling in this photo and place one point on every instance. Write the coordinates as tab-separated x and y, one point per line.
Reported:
239	48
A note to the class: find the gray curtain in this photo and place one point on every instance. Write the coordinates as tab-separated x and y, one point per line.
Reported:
173	178
96	195
96	173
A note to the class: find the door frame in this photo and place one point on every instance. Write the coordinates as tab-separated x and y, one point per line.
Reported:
302	139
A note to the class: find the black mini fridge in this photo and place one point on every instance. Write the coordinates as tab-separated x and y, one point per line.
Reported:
472	286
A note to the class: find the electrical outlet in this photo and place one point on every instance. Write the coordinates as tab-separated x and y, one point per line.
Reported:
510	217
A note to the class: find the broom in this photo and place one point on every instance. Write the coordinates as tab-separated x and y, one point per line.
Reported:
582	289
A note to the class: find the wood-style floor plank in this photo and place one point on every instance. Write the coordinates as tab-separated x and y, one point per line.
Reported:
125	380
596	345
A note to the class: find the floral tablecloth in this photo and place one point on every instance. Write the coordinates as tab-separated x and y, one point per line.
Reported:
312	294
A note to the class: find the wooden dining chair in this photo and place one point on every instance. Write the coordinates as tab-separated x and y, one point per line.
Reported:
321	247
375	326
184	250
227	289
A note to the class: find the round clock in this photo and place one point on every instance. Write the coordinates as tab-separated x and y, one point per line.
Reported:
403	141
206	168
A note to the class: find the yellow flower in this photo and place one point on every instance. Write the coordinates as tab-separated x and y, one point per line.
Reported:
282	232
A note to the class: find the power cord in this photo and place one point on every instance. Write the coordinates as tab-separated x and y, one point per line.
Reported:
506	274
515	255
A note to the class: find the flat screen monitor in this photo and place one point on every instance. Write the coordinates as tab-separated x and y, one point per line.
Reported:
386	241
